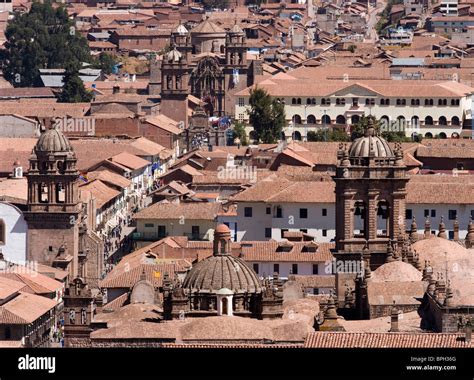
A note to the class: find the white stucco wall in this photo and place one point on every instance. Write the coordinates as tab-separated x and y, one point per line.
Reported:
16	231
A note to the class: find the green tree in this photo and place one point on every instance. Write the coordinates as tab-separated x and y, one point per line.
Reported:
328	135
390	136
267	116
44	37
211	4
239	132
73	87
106	63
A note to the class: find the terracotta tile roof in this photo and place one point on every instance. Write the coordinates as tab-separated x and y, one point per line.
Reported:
98	190
8	287
282	190
14	189
25	308
188	211
117	303
121	278
35	282
44	110
164	122
27	92
385	340
440	189
272	251
46	270
110	178
129	160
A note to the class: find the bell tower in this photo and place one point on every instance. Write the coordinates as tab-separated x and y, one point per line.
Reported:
53	202
371	181
175	77
236	66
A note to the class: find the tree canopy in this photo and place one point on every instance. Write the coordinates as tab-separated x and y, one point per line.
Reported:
44	37
267	116
73	87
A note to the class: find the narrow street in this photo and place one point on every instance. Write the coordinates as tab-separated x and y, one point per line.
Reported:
374	13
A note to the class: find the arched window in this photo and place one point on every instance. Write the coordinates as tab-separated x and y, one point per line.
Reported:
296	135
355	119
311	119
415	122
326	119
296	119
253	135
442	135
308	100
428	135
298	101
455	120
428	120
442	121
428	102
293	101
313	101
340	119
442	102
3	232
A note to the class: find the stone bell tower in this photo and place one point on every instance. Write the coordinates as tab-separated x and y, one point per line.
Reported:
175	77
236	66
53	202
371	181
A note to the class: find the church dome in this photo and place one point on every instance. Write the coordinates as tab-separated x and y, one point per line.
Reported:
53	140
370	145
222	270
396	271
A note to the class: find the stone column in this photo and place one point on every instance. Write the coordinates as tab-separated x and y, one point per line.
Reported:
371	215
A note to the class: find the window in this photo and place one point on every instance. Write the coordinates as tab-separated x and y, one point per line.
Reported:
241	117
269	210
315	291
401	102
241	102
325	212
427	213
315	269
442	102
268	232
278	212
161	232
276	268
370	102
303	213
60	193
408	214
452	214
472	214
255	268
195	232
460	165
3	232
50	248
294	268
450	235
428	102
340	101
384	102
149	225
248	212
325	232
433	213
282	232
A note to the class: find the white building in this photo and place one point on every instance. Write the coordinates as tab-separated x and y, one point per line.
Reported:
13	232
271	207
312	102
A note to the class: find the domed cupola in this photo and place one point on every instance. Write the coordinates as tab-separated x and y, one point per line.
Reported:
370	145
222	270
